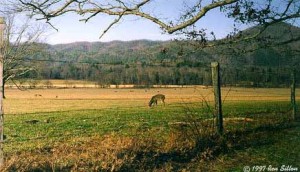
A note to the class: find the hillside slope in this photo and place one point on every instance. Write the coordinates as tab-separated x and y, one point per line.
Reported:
175	62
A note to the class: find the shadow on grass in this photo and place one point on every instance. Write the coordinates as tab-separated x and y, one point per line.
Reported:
144	154
205	148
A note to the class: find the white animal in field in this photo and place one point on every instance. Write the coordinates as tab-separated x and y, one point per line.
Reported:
156	98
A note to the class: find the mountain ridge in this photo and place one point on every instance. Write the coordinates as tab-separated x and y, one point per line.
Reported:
146	62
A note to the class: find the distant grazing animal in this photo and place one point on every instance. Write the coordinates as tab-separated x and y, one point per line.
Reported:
157	97
38	95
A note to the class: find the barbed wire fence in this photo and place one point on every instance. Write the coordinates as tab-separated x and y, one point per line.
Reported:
278	104
232	84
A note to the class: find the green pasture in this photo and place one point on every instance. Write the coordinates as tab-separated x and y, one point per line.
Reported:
101	130
29	131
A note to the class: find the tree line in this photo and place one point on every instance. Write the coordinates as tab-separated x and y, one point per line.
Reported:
251	63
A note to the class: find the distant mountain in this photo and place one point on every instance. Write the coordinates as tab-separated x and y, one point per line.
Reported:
146	50
283	51
279	32
171	62
110	52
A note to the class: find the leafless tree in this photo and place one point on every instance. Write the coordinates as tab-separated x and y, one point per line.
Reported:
20	44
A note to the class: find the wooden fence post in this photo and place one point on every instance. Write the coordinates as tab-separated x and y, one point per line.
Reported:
2	27
293	95
217	92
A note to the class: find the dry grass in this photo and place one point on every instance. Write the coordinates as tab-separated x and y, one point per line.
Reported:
147	153
49	100
102	153
158	140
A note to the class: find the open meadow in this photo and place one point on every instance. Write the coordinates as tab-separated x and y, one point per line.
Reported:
49	100
94	129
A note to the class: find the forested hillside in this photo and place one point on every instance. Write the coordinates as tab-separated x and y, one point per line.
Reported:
145	62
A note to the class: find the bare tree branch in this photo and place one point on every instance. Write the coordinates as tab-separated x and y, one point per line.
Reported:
93	8
251	12
114	22
20	43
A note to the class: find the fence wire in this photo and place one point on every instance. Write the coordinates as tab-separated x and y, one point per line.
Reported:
251	93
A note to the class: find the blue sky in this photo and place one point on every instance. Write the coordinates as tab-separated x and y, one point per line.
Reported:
70	29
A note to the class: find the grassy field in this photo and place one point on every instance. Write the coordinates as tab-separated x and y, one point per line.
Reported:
49	100
114	129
